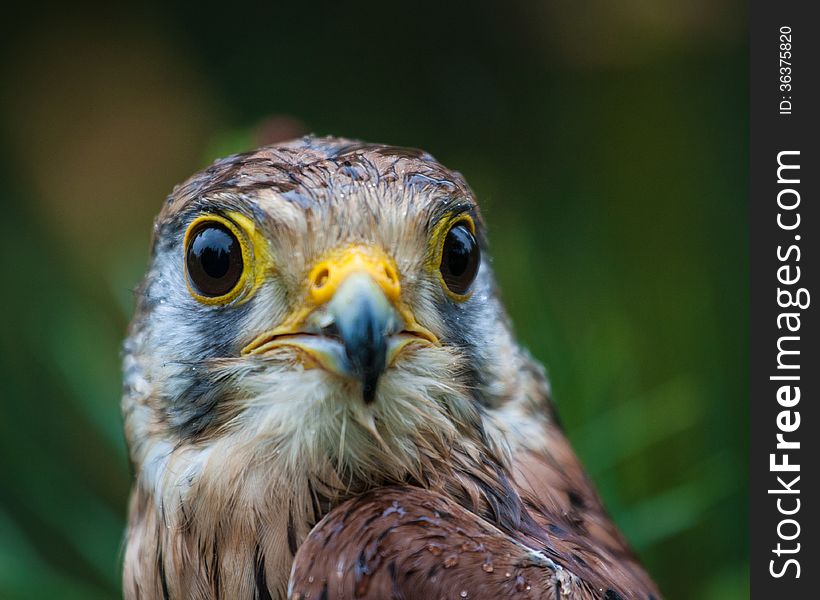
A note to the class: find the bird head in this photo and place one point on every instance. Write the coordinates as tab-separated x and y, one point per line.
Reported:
325	305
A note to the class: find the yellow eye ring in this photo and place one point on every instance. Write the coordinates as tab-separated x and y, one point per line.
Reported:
456	290
219	258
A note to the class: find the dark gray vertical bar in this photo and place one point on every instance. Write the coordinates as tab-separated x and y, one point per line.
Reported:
785	221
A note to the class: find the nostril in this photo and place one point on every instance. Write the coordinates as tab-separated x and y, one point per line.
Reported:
320	278
390	274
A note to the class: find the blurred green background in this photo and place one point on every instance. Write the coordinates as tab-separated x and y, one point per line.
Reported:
606	141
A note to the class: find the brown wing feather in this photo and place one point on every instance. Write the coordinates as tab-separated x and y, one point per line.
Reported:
564	504
555	484
410	543
556	491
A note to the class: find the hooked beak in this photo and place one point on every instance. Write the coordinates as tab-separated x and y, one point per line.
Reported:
363	319
355	324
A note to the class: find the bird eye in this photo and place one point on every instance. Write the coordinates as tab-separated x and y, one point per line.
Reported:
213	259
459	258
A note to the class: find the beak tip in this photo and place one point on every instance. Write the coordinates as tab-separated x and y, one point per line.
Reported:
363	318
369	377
369	391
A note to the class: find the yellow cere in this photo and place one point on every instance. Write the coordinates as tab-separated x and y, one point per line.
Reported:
328	274
324	280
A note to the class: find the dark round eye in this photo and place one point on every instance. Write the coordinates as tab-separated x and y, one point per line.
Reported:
213	259
459	259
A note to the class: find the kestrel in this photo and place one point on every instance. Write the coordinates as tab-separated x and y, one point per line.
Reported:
324	399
